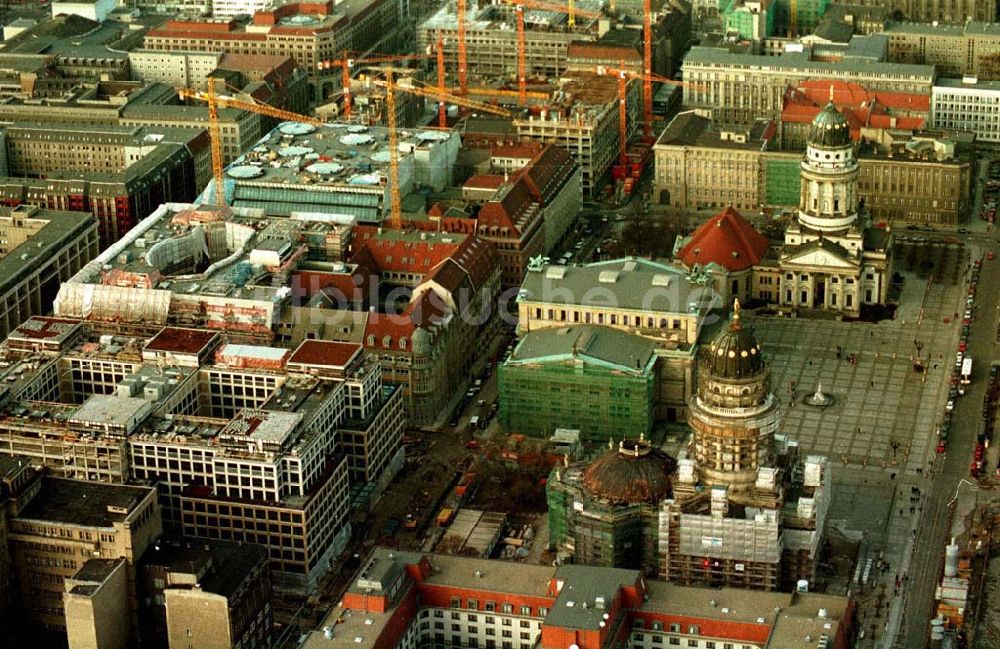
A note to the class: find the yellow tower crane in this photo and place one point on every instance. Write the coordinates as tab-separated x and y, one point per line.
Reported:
430	92
214	101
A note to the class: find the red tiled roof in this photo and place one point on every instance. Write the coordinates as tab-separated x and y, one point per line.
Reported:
478	258
523	150
325	352
861	108
180	340
548	171
400	255
510	211
726	239
484	181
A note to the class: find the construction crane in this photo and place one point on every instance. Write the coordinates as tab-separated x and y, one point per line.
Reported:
215	101
793	17
522	66
647	66
463	54
624	76
391	87
442	109
345	63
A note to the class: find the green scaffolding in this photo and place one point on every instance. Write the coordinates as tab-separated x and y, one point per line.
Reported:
809	13
537	398
736	17
782	182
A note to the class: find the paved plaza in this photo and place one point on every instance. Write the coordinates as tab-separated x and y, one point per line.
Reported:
881	431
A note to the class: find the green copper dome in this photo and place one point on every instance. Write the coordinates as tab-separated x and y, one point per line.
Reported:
830	129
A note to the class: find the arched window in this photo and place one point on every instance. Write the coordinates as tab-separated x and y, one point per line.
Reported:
371	341
402	343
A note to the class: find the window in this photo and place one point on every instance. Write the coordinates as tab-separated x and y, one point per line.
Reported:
455	603
693	629
675	641
491	607
638	623
473	604
692	643
508	608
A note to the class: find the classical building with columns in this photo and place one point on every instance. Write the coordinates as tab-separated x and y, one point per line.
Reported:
832	258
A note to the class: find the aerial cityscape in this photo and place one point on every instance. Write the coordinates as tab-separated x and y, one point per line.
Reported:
615	324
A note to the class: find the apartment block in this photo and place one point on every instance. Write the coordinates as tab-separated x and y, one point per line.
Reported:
584	120
524	215
40	249
953	49
401	600
737	88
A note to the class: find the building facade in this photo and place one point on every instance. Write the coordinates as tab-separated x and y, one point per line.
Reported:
967	104
58	526
740	88
40	249
954	49
402	600
657	301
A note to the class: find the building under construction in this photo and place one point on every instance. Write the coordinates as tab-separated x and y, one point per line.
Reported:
740	509
583	117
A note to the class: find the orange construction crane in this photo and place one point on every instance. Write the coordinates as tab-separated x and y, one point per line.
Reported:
345	63
623	77
442	109
519	7
214	101
793	18
391	87
463	54
647	66
501	93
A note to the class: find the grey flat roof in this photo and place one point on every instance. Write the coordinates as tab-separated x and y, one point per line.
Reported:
578	605
42	246
79	502
951	82
799	63
628	283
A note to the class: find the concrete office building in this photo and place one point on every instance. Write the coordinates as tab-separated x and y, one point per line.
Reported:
133	103
657	301
39	249
967	104
230	434
59	526
309	32
356	180
953	49
117	173
209	594
739	88
401	600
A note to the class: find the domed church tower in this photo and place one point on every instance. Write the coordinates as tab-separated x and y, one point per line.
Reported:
832	258
828	201
734	415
